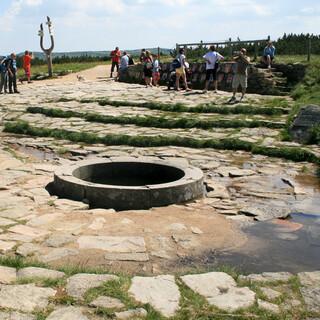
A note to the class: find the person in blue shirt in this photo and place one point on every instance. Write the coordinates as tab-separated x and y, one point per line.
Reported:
3	75
268	54
11	66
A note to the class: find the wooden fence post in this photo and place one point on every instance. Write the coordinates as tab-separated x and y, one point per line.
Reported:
309	49
255	51
230	48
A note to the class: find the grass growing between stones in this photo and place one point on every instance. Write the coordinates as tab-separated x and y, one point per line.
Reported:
294	154
192	305
157	122
180	107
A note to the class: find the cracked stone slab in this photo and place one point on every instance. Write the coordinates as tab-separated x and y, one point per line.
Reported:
29	231
107	302
141	257
33	272
67	313
268	306
113	244
28	249
220	290
310	289
78	284
7	275
58	240
270	293
131	314
6	245
25	298
16	316
161	292
268	276
58	253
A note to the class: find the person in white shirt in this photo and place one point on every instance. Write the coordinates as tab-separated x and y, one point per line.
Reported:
212	58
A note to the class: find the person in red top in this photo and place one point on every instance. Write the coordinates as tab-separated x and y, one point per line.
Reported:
27	65
115	59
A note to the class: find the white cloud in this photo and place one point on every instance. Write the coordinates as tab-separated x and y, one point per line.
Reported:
33	3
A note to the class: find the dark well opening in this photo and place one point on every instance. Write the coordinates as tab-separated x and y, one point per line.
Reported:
128	173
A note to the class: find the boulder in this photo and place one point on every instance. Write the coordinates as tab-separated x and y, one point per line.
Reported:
308	117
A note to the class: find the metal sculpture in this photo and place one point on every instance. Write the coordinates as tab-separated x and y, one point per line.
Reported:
47	52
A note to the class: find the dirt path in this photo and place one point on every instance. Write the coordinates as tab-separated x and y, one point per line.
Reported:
100	72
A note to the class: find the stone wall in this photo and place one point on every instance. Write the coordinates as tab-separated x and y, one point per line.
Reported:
260	80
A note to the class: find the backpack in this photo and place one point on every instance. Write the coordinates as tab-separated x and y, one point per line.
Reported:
176	64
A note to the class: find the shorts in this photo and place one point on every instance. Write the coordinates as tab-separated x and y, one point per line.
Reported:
240	79
147	72
180	71
271	58
114	65
156	76
212	72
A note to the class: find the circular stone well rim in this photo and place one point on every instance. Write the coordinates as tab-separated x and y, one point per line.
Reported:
121	197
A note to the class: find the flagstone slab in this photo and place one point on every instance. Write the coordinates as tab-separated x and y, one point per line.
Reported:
107	303
58	253
161	292
67	313
78	284
113	244
29	231
220	290
7	275
16	316
33	272
310	290
25	298
6	245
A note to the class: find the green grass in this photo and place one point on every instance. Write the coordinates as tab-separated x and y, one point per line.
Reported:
296	59
62	68
294	154
157	122
270	109
306	92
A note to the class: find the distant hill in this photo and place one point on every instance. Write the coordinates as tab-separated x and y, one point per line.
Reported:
98	54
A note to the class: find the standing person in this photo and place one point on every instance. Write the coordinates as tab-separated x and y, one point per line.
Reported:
212	57
268	54
241	75
156	70
11	65
27	64
115	60
147	68
142	55
3	76
124	63
181	71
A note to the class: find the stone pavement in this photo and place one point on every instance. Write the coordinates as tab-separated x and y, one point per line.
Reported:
241	188
271	292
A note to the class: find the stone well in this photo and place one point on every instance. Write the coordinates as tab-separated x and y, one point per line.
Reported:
128	183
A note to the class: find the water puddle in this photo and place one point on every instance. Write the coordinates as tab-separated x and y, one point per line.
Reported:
279	245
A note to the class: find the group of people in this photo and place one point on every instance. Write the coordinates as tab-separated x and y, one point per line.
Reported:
8	72
151	65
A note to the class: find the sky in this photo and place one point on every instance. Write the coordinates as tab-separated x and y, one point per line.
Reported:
85	25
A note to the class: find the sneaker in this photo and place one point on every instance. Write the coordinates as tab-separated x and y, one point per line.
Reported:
16	91
232	99
241	99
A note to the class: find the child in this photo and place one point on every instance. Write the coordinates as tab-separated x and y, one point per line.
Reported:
156	70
